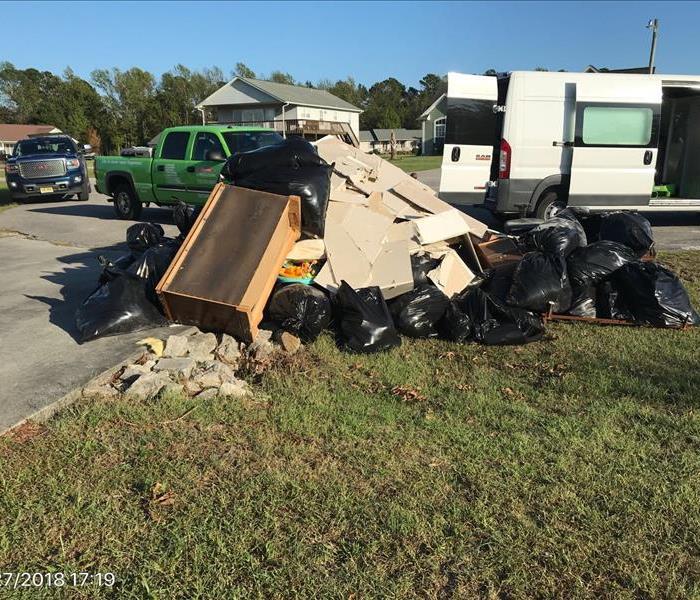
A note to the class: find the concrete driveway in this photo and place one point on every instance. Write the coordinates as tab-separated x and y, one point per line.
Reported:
672	231
49	266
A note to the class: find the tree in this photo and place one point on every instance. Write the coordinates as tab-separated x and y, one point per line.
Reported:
281	77
242	70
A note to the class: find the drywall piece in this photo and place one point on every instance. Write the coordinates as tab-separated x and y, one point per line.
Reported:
402	209
392	270
421	195
348	196
452	276
337	182
376	204
307	250
335	213
476	227
326	279
348	262
367	229
406	231
442	226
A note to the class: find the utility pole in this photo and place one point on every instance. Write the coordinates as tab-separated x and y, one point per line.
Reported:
654	26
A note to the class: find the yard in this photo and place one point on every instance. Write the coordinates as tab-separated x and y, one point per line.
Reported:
563	469
410	162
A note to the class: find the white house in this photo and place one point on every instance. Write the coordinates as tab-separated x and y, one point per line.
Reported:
290	108
407	140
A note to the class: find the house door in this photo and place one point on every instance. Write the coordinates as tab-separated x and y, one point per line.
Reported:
470	137
616	141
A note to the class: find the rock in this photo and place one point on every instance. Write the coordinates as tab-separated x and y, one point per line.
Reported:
208	394
133	371
213	374
290	343
229	350
236	388
173	389
262	346
177	367
201	346
147	385
176	345
99	390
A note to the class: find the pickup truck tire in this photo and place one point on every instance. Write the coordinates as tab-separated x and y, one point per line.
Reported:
549	205
84	194
126	204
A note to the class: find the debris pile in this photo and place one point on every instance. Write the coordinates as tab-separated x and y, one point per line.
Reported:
382	255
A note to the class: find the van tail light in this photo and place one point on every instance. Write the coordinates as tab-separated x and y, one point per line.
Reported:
504	160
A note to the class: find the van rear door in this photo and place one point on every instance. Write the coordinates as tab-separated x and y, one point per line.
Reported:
616	141
470	139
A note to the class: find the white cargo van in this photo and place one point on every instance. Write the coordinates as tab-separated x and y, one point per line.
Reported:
530	143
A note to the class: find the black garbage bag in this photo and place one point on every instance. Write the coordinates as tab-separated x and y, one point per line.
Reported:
141	236
421	265
558	236
479	316
609	304
631	229
365	322
497	281
184	216
121	305
152	265
540	280
583	302
417	312
302	310
655	295
590	265
312	184
290	154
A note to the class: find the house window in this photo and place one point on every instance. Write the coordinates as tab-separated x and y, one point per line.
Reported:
439	129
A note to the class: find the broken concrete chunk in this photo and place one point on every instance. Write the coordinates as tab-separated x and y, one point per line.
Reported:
228	350
173	389
201	346
177	367
237	388
290	343
98	389
208	394
131	372
147	386
213	374
176	345
442	226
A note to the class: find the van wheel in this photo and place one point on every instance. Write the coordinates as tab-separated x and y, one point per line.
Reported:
126	204
549	205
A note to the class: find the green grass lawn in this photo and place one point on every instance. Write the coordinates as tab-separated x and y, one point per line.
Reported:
563	469
5	201
410	163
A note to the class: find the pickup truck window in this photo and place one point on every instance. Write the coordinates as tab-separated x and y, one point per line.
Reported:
243	141
203	142
175	145
39	146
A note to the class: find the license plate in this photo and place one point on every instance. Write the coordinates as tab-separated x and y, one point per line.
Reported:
45	190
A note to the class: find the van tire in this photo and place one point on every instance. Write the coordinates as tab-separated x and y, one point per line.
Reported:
126	205
549	204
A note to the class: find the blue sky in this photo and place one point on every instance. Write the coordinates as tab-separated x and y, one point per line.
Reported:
369	40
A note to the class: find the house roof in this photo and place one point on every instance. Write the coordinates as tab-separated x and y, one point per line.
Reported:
430	109
282	93
11	133
366	136
384	135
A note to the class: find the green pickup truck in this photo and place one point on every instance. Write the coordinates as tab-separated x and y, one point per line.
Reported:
185	166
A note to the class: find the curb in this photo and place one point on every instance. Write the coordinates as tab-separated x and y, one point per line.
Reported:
47	412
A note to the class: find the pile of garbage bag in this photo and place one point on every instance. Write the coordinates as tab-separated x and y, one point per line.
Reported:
597	266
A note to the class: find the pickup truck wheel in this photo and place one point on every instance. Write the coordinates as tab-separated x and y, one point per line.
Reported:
549	205
126	204
84	194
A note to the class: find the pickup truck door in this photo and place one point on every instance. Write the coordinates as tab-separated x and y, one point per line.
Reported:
616	139
202	174
470	137
169	169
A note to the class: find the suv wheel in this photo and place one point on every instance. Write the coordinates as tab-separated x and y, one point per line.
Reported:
126	204
549	205
84	194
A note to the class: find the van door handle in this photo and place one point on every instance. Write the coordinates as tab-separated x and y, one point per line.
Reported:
563	144
648	155
161	167
455	154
